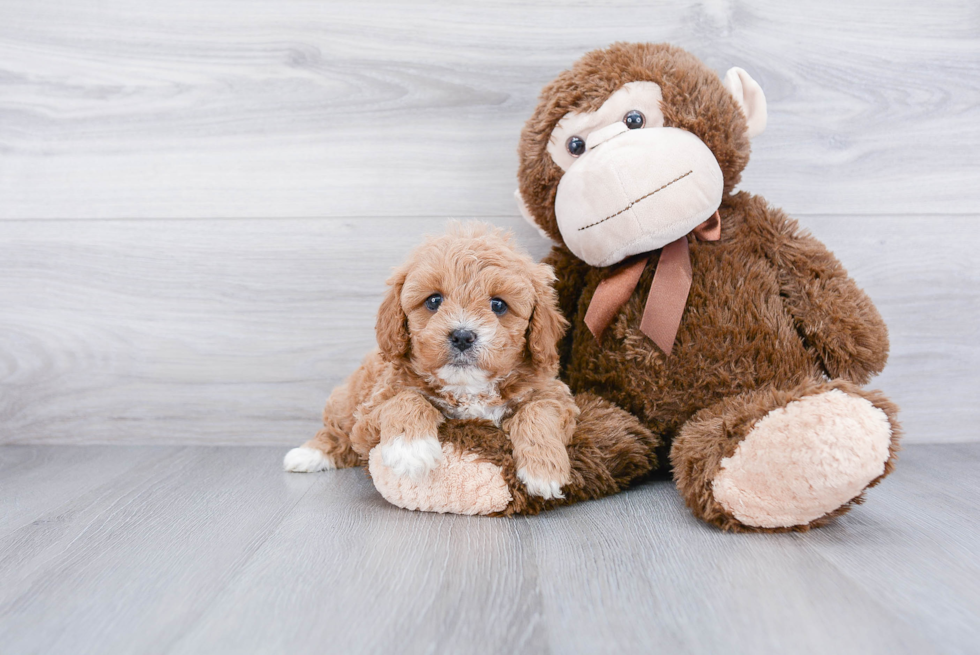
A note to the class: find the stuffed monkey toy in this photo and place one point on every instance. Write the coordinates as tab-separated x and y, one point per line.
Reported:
709	335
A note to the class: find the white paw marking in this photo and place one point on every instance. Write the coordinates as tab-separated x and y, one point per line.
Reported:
307	460
412	458
542	487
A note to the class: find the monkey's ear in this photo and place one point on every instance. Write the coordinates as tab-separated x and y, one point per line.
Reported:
392	326
526	214
749	96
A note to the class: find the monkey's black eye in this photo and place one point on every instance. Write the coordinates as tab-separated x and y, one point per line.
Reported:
498	306
432	302
575	145
634	120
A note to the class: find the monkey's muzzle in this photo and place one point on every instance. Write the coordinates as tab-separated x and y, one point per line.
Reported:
635	191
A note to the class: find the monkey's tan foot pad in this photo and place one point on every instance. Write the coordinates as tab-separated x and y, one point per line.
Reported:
459	485
805	460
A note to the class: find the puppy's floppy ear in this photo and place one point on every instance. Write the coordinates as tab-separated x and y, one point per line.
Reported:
392	326
547	325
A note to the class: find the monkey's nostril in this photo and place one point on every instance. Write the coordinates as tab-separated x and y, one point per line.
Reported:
462	339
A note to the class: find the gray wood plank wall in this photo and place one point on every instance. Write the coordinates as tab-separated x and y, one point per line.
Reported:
200	199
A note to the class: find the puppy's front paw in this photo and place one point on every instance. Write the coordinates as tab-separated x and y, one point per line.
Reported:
539	486
307	460
413	458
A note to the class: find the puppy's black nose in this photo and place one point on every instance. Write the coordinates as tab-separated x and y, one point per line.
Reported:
462	339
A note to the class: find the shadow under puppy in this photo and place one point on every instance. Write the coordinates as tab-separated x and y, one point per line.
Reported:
468	329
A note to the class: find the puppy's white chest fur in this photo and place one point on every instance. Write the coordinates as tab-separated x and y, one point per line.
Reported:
480	410
469	393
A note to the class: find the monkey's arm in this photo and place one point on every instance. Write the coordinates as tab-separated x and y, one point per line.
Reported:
832	314
571	272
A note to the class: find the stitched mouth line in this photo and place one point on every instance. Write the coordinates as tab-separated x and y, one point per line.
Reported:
630	206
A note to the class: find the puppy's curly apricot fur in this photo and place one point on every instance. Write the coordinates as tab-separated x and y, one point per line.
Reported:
468	329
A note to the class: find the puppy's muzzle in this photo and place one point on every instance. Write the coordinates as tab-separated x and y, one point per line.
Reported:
462	340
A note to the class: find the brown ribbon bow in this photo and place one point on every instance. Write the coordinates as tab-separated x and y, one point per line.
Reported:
668	292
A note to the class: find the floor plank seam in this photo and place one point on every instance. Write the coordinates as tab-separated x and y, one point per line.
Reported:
232	577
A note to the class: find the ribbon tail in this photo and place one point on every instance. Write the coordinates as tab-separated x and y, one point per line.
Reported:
668	295
610	295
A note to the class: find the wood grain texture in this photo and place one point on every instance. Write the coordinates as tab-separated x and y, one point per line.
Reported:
942	567
199	201
34	481
128	565
216	550
379	580
186	332
702	592
228	332
220	108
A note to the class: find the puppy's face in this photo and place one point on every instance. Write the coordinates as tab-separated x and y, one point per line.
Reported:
467	323
467	308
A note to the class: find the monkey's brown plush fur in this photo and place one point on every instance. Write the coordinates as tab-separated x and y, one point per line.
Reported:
759	405
609	450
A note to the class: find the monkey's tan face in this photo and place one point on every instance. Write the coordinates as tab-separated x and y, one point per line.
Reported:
630	185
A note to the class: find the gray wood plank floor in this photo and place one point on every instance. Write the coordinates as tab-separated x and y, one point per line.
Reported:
112	549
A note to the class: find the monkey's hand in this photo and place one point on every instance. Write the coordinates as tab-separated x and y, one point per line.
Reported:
832	314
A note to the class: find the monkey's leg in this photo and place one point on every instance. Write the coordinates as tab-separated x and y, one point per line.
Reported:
609	450
777	460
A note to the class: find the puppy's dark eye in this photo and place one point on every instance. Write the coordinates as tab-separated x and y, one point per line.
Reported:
432	302
634	120
575	145
498	306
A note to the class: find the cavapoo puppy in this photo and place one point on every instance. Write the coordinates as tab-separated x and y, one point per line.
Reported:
469	328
